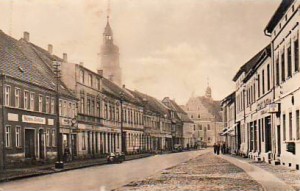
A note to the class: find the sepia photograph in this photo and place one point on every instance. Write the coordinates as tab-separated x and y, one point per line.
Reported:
149	95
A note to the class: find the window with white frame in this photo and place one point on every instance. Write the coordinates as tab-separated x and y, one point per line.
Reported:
70	111
7	95
48	137
53	138
26	100
32	101
52	105
47	104
60	108
98	83
90	80
18	136
81	76
82	105
17	97
64	108
40	103
8	136
73	110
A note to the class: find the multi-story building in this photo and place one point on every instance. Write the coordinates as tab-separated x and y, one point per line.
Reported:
28	114
206	114
182	126
228	107
283	30
253	97
157	123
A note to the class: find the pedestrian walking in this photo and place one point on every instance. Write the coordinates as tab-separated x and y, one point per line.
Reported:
223	148
215	148
218	148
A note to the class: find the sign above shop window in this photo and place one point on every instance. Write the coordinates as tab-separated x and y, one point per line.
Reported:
274	108
33	119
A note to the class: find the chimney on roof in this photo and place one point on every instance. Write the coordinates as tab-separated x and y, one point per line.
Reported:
81	63
100	72
50	48
65	57
26	36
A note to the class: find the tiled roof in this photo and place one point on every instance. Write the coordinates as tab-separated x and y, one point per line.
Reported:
230	98
279	13
251	63
151	104
182	115
213	107
19	60
112	89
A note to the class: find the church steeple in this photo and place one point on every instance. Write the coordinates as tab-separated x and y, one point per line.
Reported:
107	34
208	90
110	55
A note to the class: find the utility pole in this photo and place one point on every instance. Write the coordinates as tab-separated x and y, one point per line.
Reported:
59	163
123	149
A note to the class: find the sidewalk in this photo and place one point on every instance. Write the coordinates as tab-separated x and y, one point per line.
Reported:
14	174
270	177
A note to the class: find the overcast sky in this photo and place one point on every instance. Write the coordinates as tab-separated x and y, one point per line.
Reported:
167	47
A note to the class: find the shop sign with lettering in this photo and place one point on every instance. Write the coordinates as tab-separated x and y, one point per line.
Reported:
33	119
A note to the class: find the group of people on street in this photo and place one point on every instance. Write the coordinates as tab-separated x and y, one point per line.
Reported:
219	146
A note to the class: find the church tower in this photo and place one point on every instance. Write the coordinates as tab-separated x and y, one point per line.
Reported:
208	91
110	57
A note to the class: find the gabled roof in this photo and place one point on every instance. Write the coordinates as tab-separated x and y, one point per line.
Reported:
151	104
279	13
181	114
115	91
212	106
251	63
20	60
228	99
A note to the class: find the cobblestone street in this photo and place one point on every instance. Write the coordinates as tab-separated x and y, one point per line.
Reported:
206	172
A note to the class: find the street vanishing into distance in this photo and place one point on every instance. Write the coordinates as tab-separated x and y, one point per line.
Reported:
100	178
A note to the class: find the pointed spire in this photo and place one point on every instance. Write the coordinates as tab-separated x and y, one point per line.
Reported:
107	30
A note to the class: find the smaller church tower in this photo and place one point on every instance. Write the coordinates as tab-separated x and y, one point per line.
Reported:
208	91
110	57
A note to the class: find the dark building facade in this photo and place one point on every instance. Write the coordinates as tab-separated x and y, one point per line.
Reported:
28	120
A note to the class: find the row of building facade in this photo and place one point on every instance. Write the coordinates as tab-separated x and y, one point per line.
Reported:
92	107
261	116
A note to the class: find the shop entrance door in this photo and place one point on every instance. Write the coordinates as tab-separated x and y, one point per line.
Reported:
29	143
41	143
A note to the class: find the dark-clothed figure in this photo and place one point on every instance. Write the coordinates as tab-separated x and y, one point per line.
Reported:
223	148
218	148
215	148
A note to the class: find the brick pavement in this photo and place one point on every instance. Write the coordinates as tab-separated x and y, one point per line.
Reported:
205	172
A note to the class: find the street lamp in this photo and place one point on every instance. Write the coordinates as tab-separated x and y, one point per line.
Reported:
123	149
59	163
